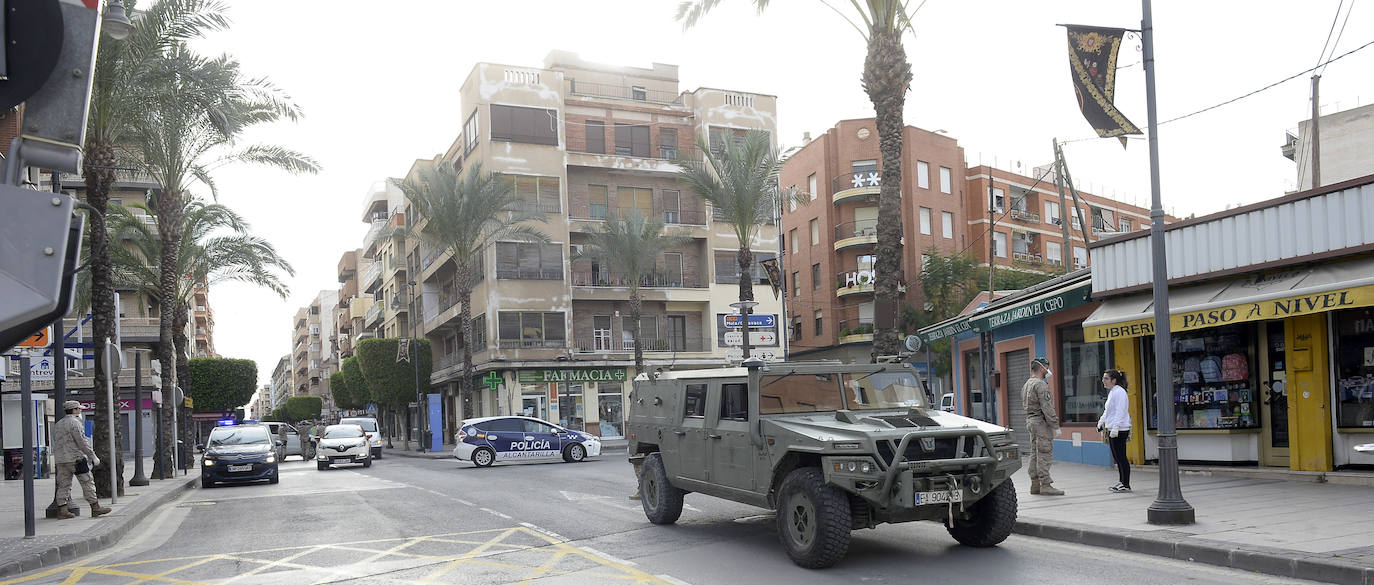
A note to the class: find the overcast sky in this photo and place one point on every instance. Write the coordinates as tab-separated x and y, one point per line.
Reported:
379	81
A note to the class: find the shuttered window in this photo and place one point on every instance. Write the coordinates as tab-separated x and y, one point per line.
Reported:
527	125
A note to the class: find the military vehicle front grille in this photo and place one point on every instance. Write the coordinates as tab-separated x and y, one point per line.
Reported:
909	421
945	448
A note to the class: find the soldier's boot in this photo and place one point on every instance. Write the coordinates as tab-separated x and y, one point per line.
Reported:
97	510
64	514
1049	490
1035	487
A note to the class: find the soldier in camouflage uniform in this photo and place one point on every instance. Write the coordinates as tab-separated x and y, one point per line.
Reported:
1043	424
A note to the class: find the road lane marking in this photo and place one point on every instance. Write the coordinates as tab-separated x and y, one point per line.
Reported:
495	513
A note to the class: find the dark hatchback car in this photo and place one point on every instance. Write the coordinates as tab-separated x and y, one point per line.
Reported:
239	453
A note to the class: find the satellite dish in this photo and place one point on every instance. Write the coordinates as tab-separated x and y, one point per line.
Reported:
913	343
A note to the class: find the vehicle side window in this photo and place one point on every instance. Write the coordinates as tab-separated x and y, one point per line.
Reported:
536	427
506	425
695	402
734	402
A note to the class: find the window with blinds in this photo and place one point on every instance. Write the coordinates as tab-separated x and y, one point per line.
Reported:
528	261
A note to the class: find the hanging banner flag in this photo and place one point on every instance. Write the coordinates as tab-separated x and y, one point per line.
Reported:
770	268
1092	62
403	351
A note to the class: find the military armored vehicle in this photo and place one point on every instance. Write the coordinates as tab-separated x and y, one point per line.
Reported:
830	447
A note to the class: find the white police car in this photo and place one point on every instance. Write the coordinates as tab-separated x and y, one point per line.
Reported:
484	441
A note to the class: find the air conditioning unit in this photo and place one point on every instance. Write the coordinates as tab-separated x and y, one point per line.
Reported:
577	249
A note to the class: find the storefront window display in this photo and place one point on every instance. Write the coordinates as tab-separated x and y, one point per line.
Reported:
1080	370
611	410
534	400
1355	368
1214	381
570	411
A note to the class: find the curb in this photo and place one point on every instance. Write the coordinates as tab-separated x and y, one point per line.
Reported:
1185	547
63	549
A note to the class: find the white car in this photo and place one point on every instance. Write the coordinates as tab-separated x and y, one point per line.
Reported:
484	441
369	425
342	444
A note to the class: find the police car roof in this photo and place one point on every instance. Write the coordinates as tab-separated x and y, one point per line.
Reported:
473	421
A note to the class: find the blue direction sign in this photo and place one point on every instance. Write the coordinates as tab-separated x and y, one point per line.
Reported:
754	320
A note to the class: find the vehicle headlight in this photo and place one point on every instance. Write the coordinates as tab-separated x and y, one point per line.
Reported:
362	444
209	462
852	445
860	466
271	459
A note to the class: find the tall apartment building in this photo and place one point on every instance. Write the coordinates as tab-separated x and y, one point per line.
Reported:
830	244
386	274
312	345
282	383
582	143
203	320
352	307
1027	216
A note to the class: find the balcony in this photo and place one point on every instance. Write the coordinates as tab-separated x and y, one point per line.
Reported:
621	92
855	331
533	343
373	274
379	226
671	217
855	186
853	234
1026	216
606	278
373	315
604	342
530	206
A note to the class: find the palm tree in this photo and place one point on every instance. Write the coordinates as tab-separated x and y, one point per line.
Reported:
216	247
197	112
740	180
633	245
886	78
463	216
124	71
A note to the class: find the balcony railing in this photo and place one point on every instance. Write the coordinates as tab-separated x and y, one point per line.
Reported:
373	314
373	272
542	206
625	92
856	180
667	216
1028	257
609	344
533	343
607	278
378	227
855	229
530	273
1026	216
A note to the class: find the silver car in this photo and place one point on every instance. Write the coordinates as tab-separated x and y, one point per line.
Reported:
340	444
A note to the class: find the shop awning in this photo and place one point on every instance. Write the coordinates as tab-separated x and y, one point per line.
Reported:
1049	301
1300	291
947	328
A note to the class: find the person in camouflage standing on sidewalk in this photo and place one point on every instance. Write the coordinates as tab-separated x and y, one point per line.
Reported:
1043	423
75	458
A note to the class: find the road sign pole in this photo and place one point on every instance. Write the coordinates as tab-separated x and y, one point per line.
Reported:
26	418
112	464
139	479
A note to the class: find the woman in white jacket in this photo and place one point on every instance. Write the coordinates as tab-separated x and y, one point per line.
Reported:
1116	424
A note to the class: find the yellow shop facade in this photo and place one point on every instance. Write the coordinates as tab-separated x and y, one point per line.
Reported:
1272	328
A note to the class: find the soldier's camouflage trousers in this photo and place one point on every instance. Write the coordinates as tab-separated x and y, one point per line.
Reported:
1041	451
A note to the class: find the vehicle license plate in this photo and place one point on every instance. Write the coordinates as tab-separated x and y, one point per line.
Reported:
923	498
245	467
342	460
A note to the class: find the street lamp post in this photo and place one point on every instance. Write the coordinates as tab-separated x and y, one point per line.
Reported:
139	479
745	308
421	409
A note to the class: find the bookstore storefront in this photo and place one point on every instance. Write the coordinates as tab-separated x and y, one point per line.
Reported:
1272	369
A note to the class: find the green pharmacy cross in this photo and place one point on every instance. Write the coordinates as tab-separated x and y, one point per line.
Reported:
493	380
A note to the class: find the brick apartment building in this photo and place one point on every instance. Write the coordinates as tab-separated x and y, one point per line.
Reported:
830	245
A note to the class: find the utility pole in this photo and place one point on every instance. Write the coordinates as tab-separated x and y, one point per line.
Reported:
1077	206
1066	250
985	352
1169	506
1316	136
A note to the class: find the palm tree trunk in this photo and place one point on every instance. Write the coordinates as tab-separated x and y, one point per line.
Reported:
465	285
886	77
745	256
169	234
179	339
636	308
99	157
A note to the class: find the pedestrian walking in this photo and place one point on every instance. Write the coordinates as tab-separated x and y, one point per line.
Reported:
1043	423
74	457
1116	425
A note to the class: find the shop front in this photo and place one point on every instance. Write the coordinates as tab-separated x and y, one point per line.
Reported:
1272	332
583	399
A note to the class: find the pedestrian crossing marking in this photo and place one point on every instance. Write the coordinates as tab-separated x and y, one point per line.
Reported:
518	554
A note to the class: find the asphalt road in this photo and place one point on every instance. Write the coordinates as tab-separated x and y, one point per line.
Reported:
441	521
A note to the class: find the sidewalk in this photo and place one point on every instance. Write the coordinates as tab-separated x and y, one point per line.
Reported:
1293	528
61	541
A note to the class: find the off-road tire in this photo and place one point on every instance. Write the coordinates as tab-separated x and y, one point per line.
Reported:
575	453
483	457
991	518
813	519
661	501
